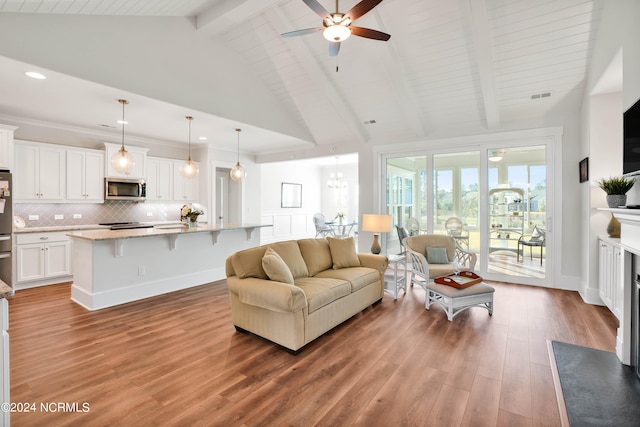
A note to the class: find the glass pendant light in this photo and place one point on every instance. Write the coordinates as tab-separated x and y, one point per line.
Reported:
122	161
237	173
189	169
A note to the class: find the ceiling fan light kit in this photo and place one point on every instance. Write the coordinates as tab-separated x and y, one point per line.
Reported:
336	33
337	26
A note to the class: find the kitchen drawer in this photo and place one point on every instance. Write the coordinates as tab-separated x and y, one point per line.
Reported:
30	238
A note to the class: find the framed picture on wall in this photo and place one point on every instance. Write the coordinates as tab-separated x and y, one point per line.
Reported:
584	169
291	195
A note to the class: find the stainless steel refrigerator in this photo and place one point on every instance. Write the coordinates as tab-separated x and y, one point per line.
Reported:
6	228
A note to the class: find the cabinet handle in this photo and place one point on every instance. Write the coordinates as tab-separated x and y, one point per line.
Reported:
44	238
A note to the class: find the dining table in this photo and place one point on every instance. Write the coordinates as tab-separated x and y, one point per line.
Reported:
342	229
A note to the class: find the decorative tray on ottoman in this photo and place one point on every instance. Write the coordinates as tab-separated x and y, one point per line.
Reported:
461	280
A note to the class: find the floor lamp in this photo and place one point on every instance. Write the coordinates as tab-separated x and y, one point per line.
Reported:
377	224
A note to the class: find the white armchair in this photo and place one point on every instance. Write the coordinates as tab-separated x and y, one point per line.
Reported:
423	271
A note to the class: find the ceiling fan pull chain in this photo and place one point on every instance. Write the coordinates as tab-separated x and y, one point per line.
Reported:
337	63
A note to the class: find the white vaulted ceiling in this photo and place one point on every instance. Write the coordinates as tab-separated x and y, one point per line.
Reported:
450	68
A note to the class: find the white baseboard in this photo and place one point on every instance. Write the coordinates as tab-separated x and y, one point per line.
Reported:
99	300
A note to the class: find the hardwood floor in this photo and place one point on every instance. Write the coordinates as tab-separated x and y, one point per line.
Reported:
176	359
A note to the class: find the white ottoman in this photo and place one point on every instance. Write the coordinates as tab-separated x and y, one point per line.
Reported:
455	300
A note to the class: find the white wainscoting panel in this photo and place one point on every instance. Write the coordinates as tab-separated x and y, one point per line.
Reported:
286	226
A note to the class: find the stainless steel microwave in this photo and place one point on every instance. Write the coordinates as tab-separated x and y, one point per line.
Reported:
134	190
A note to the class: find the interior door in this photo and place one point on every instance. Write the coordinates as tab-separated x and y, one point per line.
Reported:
222	195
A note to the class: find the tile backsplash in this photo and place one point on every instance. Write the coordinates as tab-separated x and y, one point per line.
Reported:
95	213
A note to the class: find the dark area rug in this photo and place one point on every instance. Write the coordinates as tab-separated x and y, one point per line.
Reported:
598	389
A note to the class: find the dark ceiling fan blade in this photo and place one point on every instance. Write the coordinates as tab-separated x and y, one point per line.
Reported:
360	9
302	32
369	33
334	48
318	8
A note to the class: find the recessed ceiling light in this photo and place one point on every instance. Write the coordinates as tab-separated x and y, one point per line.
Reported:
123	122
35	75
202	138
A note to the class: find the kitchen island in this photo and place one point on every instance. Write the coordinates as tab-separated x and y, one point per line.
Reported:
112	267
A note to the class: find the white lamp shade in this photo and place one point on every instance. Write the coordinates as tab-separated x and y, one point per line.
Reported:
122	161
376	223
336	33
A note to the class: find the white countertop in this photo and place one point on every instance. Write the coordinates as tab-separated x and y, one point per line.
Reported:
159	230
84	227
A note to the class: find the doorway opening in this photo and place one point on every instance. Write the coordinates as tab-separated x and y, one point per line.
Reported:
228	198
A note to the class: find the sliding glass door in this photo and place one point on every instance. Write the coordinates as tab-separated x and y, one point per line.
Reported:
493	201
456	197
406	195
517	211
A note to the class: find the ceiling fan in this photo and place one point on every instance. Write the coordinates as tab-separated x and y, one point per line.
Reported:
337	26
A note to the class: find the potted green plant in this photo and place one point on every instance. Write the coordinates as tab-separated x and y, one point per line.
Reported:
616	189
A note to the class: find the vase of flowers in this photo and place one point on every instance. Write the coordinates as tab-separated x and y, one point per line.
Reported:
190	215
339	217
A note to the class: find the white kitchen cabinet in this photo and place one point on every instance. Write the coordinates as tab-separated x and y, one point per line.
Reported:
139	156
40	172
85	175
6	146
44	257
159	179
609	280
184	189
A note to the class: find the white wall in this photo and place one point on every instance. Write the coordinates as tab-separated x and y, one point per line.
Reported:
601	131
289	223
605	154
141	54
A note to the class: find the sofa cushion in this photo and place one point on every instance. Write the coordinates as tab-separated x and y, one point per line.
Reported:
359	277
248	263
322	291
437	255
316	255
290	253
276	268
343	253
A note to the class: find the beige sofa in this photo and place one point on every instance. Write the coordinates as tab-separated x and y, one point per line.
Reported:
308	287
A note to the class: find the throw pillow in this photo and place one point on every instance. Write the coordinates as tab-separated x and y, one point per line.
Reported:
437	255
290	254
343	253
536	234
316	254
246	263
276	268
